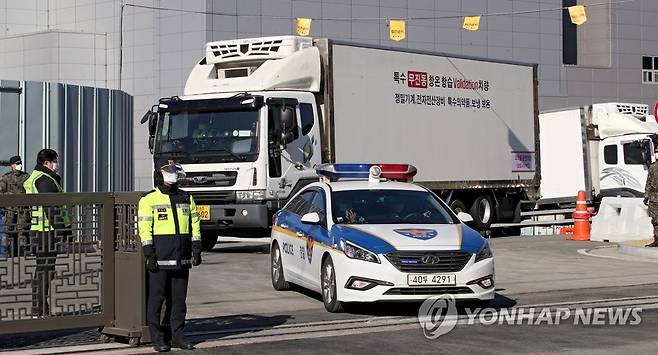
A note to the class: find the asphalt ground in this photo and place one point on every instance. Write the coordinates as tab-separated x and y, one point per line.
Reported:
232	305
480	339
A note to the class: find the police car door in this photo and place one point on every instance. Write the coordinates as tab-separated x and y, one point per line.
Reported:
317	239
292	241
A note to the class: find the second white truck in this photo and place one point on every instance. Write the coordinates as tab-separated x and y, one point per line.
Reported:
258	115
604	149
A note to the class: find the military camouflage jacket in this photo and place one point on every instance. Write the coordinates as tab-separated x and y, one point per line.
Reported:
12	182
651	189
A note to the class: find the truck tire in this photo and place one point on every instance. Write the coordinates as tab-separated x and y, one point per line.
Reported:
208	240
482	211
457	206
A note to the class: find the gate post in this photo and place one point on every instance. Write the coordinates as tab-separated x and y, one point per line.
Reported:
129	270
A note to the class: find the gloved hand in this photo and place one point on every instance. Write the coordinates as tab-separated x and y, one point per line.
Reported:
151	263
646	201
196	259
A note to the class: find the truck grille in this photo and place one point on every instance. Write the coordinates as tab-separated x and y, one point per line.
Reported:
428	291
213	197
412	261
214	179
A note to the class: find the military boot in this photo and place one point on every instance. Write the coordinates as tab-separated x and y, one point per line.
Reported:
653	244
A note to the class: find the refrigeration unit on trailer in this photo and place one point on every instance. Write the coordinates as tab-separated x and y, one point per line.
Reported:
604	149
258	115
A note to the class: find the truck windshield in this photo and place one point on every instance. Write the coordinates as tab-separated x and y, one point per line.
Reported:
389	207
209	136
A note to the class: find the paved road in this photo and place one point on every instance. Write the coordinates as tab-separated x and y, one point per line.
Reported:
505	339
235	277
231	304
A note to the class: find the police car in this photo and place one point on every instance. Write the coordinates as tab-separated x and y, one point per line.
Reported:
364	233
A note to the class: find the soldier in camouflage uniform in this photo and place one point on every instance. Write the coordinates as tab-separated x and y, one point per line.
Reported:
15	219
651	199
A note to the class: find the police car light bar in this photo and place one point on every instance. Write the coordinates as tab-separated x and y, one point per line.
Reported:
373	172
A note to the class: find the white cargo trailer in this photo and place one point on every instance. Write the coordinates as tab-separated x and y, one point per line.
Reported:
604	149
258	115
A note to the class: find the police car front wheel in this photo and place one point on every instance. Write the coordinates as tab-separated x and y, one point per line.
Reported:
278	279
328	279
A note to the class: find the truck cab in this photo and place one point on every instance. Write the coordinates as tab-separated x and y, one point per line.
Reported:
604	149
246	141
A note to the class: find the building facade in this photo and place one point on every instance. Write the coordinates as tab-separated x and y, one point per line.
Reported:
90	128
612	57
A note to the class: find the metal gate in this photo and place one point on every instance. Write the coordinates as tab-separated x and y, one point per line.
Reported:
64	276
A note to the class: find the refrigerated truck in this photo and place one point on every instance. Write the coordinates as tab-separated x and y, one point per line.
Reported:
604	149
259	114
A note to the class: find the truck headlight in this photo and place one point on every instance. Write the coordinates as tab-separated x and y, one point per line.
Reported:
250	195
354	251
484	253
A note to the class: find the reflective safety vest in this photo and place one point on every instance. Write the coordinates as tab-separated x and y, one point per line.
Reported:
167	231
40	222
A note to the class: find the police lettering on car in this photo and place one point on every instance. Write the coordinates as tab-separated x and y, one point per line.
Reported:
365	233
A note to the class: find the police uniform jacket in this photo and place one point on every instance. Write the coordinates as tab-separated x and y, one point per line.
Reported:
169	227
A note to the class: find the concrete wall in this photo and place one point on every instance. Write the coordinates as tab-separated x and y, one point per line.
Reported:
160	47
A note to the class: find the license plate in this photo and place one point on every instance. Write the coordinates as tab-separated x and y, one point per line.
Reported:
204	212
431	279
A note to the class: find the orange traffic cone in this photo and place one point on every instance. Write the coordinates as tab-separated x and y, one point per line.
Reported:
581	216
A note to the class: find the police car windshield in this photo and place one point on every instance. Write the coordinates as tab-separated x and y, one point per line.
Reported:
389	207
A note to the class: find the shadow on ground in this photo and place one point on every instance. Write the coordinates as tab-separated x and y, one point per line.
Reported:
207	328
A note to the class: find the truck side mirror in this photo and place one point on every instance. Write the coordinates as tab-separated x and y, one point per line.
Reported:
151	143
151	118
647	151
146	117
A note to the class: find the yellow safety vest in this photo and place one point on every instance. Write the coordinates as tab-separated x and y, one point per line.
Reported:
39	221
169	233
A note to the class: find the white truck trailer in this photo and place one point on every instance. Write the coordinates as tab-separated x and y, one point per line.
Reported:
258	115
604	149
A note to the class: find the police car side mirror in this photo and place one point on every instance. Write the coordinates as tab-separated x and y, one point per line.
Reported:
465	217
311	218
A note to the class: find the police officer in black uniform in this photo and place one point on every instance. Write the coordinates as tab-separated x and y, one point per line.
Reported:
170	231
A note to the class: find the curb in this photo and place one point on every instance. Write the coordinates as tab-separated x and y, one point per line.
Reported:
651	253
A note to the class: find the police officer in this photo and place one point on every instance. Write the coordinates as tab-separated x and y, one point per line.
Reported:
651	198
12	183
45	224
170	231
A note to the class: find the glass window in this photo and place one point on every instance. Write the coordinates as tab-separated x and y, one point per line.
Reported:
647	62
655	62
301	204
318	203
210	136
307	118
389	207
610	154
633	154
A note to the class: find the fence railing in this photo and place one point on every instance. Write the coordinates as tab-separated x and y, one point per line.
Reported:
62	274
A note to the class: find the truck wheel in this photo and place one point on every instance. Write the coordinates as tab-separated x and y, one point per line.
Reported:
208	240
457	206
482	211
278	278
328	282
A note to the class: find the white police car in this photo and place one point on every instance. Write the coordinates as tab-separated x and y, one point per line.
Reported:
359	236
